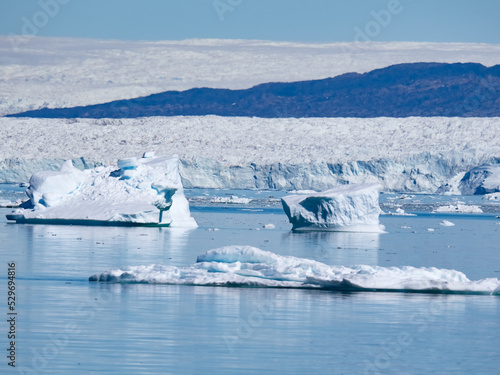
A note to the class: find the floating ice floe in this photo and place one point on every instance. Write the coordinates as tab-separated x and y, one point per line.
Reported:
302	192
250	266
146	191
234	199
10	204
459	207
446	223
349	208
399	212
268	226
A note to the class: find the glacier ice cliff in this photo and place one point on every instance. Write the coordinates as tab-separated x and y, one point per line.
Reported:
422	173
406	155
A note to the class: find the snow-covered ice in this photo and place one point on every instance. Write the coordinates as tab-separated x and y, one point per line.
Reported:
250	266
349	208
144	191
399	212
460	208
233	199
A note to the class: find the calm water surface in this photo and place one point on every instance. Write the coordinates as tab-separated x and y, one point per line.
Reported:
67	325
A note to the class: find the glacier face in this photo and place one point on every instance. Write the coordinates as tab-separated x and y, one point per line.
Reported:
484	179
408	154
422	173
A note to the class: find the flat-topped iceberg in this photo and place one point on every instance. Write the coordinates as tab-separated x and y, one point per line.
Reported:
250	266
345	208
145	191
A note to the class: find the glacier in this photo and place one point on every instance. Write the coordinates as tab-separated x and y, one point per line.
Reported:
246	266
145	191
414	155
484	179
346	208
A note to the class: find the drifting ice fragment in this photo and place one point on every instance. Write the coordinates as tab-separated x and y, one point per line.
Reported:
446	223
146	191
399	212
234	199
250	266
346	208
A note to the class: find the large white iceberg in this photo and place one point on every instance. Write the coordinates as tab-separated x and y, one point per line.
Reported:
146	191
250	266
346	208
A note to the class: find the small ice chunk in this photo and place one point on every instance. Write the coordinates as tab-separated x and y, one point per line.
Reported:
430	229
233	199
446	223
400	212
302	192
269	226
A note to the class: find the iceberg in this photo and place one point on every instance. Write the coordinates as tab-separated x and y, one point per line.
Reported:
346	208
147	191
247	266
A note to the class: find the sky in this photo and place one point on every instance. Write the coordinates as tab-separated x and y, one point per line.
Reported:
472	21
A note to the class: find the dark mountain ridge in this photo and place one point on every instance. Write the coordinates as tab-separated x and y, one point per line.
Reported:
416	89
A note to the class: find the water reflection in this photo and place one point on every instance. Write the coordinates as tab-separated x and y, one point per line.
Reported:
339	248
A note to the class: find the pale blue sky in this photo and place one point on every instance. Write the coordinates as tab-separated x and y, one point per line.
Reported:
289	20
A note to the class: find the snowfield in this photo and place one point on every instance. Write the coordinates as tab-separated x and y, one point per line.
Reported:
42	72
401	154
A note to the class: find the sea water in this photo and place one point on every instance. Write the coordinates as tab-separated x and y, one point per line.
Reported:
66	324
